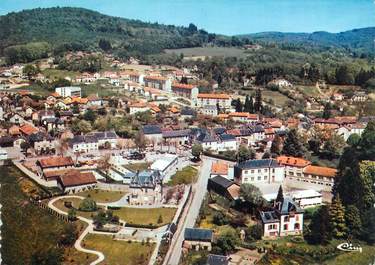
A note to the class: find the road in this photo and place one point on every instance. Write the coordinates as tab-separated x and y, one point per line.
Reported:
190	214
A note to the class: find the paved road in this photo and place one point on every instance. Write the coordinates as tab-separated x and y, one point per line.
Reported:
190	214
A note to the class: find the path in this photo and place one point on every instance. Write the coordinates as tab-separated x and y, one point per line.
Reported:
89	228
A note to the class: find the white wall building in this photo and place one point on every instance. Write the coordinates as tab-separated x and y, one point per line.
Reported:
259	171
69	91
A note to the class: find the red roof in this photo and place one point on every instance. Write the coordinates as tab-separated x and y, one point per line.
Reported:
183	86
56	162
293	161
214	96
76	178
28	129
320	171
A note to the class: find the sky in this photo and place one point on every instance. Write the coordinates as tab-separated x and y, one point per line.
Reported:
228	17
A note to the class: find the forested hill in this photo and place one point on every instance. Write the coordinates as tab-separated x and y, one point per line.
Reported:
356	40
78	26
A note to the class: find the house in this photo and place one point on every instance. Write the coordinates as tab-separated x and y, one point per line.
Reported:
146	179
280	83
83	144
317	178
55	163
188	113
198	239
16	119
207	141
221	100
185	90
153	133
42	143
259	171
28	129
75	181
158	82
106	139
209	110
166	164
226	142
94	100
346	130
138	107
359	96
286	218
294	166
224	187
177	137
69	91
243	117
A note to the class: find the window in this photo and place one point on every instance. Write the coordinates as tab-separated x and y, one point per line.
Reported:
273	170
252	171
252	178
286	219
259	177
265	170
296	226
246	171
286	227
297	217
265	177
259	170
245	179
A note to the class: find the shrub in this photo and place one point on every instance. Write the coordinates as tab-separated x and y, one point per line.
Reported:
88	205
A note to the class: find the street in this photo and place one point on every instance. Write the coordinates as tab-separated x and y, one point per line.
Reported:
190	214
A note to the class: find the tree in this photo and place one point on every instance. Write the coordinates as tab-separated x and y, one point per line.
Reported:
337	218
251	194
160	219
100	219
344	75
68	235
245	153
249	105
72	214
219	219
333	147
276	145
327	111
30	70
140	140
353	220
197	150
258	100
227	241
238	106
280	195
255	232
88	205
320	229
62	146
105	45
90	115
293	145
105	163
368	233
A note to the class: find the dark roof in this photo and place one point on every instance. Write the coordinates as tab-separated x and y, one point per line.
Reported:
219	130
227	137
188	112
205	138
103	135
259	163
82	139
219	180
288	205
269	217
151	129
217	260
197	234
176	133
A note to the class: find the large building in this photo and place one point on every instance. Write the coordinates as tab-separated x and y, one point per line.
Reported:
185	90
158	82
259	171
68	91
221	100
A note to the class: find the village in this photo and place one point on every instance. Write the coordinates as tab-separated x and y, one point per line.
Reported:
143	154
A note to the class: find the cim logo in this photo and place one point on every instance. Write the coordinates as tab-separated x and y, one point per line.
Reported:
347	246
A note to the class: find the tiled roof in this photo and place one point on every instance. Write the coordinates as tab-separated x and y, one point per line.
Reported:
151	129
182	86
56	162
177	133
219	168
293	161
214	96
320	171
76	178
28	129
155	78
217	260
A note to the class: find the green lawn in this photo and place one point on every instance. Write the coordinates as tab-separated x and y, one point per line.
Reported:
118	252
137	166
98	89
185	176
310	91
146	216
102	196
75	203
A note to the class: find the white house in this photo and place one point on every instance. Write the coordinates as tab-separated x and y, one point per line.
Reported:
259	171
221	100
69	91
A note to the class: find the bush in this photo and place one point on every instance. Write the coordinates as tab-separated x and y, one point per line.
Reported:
88	205
255	232
219	219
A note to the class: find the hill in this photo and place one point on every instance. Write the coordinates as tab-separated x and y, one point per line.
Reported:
356	40
61	27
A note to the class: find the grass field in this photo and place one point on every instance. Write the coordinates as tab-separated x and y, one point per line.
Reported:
146	216
59	74
102	196
310	91
185	176
137	166
29	231
209	51
118	252
278	98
